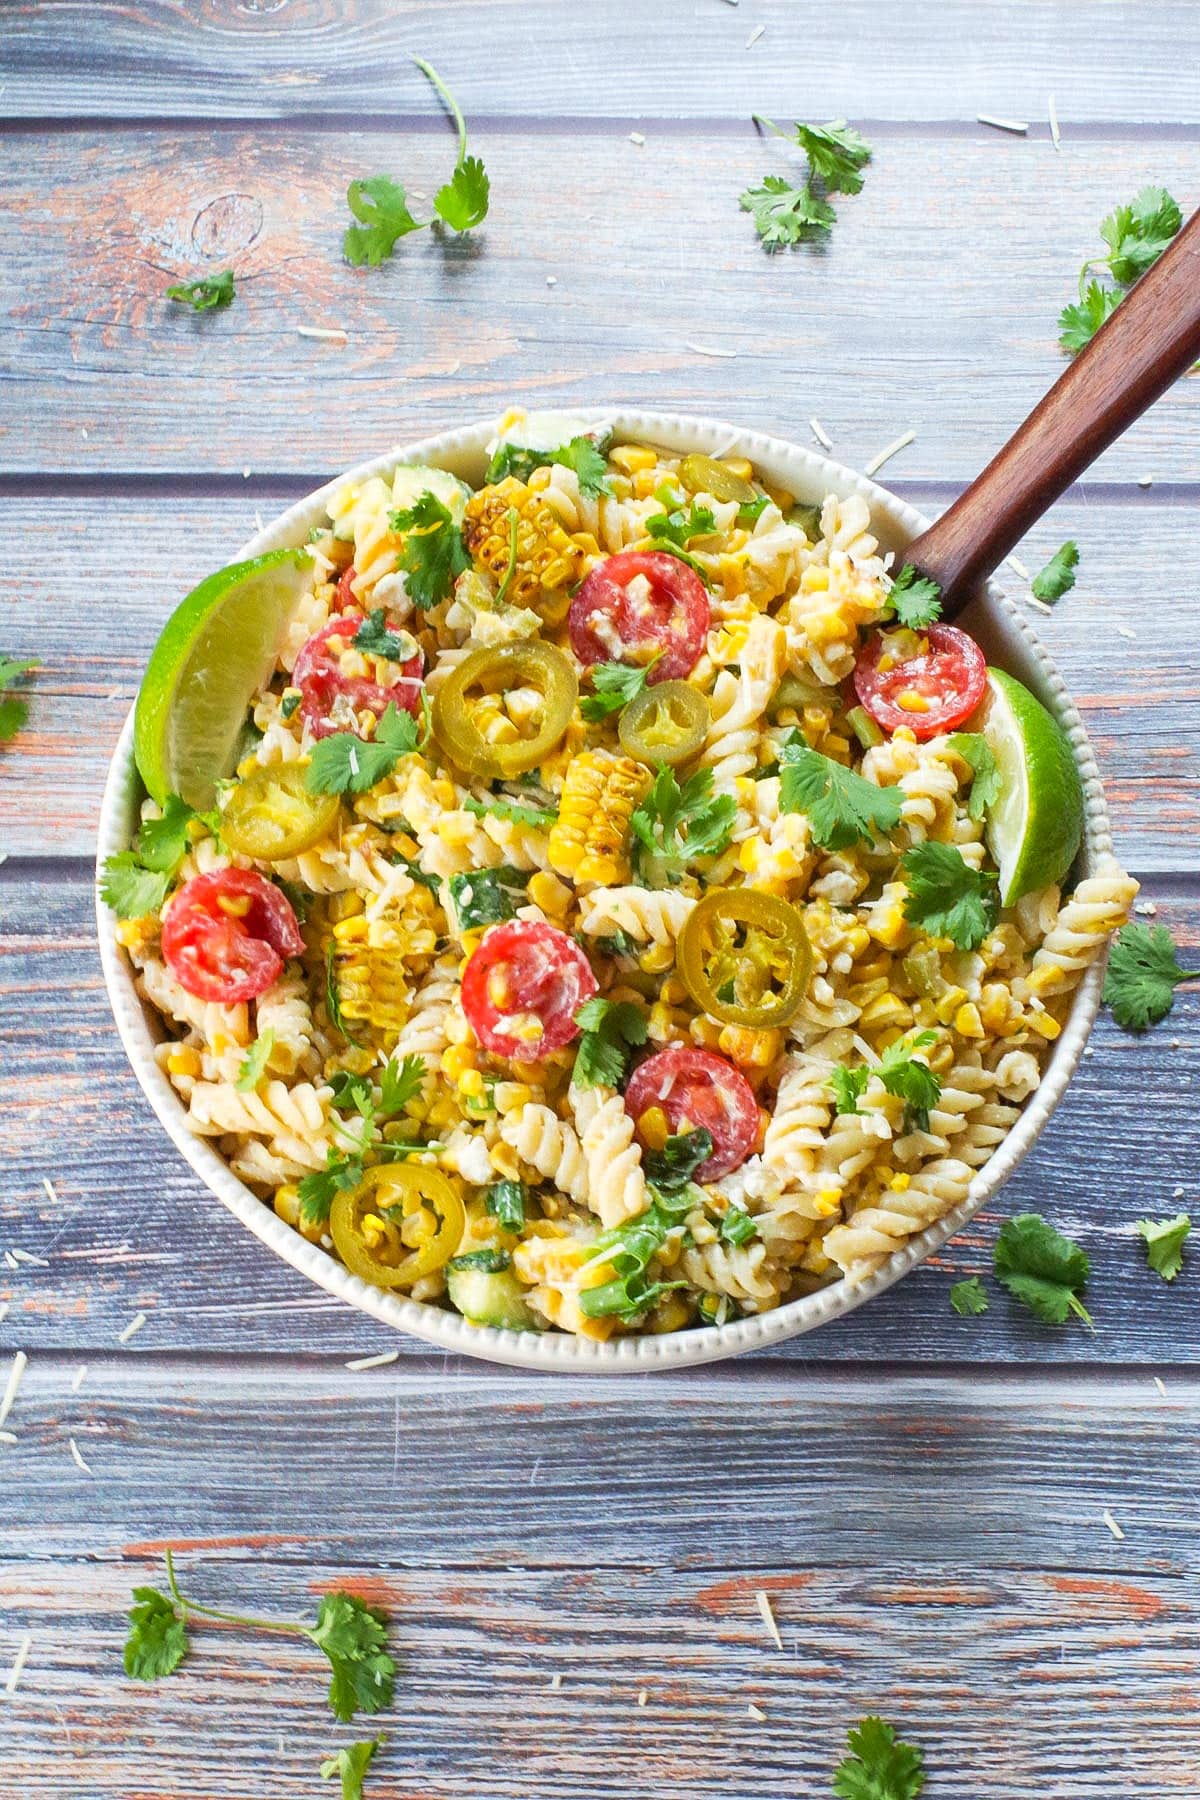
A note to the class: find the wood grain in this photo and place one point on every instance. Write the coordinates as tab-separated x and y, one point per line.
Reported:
651	257
134	1230
899	60
996	1621
140	555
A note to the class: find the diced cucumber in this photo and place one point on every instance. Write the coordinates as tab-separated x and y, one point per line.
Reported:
491	1299
546	431
411	481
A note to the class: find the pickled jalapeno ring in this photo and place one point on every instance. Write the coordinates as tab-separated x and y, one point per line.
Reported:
744	957
530	664
665	724
402	1221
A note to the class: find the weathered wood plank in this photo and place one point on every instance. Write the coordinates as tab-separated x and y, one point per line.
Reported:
139	556
133	1229
681	59
938	314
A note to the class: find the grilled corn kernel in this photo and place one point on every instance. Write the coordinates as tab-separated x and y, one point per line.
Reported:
457	1060
548	892
967	1022
994	1006
633	458
947	1005
887	925
654	1128
888	1009
705	1032
900	1182
1045	977
749	1048
599	794
547	561
1045	1025
655	959
471	1083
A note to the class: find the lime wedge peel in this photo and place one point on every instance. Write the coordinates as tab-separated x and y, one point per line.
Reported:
215	651
1035	827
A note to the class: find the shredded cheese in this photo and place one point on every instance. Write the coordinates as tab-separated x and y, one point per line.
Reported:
1145	481
335	335
30	1260
78	1378
756	1712
1052	113
822	436
1014	562
19	1364
135	1325
768	1617
374	1362
1038	605
51	1191
1160	1385
556	1682
638	138
1124	631
754	36
3	1311
1018	125
77	1459
643	1697
19	1661
876	463
707	349
1113	1526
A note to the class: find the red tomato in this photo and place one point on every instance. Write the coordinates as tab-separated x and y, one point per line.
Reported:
225	935
698	1088
667	611
345	596
318	675
950	676
526	968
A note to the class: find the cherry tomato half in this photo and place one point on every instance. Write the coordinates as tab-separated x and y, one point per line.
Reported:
929	680
225	935
698	1088
638	605
402	1221
271	814
522	988
319	677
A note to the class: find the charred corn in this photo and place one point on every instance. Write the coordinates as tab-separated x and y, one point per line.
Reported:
547	561
599	794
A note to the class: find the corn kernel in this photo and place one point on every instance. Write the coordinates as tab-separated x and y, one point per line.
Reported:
1041	978
967	1022
457	1059
654	1127
183	1061
471	1083
633	458
548	892
236	905
888	1009
900	1182
947	1005
705	1032
656	959
912	702
748	1048
1045	1025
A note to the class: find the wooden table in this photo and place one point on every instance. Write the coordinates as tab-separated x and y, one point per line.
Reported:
922	1496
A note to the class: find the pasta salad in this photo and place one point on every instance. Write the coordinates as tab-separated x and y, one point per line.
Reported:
627	906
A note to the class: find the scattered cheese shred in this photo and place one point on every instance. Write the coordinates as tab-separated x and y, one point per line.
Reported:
819	432
1052	113
1124	631
30	1260
768	1617
10	1261
876	463
754	36
1160	1385
135	1325
77	1459
334	335
1038	605
3	1311
1113	1526
556	1682
707	349
19	1661
643	1697
1014	562
19	1364
1145	481
756	1712
1018	125
51	1191
77	1379
374	1362
8	1437
638	138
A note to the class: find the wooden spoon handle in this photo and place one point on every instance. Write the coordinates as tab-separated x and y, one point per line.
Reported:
1150	340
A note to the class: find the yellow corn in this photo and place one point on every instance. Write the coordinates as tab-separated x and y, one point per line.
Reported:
633	458
1045	1025
994	1007
376	959
1041	978
828	1200
947	1005
654	1127
183	1061
705	1032
656	959
665	1024
547	563
967	1022
887	925
899	1182
547	891
888	1009
457	1061
749	1048
598	798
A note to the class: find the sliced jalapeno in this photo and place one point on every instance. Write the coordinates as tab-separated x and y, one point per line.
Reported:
666	723
744	957
271	814
705	475
529	664
402	1221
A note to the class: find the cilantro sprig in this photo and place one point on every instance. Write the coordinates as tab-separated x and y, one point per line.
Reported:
675	1165
374	639
842	807
615	684
348	764
902	1073
611	1029
677	823
880	1765
481	897
1042	1269
969	1298
349	1765
380	205
206	293
351	1635
399	1081
137	881
463	202
1143	973
977	753
673	530
14	707
946	897
254	1064
1058	576
787	214
583	454
433	554
1136	236
1164	1240
915	599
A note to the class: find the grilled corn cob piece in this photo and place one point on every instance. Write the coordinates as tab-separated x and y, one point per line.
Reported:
378	955
548	562
599	794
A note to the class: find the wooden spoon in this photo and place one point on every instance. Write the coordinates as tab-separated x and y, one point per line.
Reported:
1147	343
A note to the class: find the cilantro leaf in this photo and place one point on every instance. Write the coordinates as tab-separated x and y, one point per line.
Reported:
350	1764
1143	973
463	201
836	154
849	1086
946	896
400	1082
842	808
1138	234
158	1640
351	1091
433	554
348	764
130	889
909	1079
582	454
880	1765
616	684
14	708
976	752
611	1028
1058	576
353	1637
1165	1239
374	639
485	896
674	824
969	1298
915	599
672	1167
677	527
512	811
254	1063
1041	1268
785	215
737	1227
1079	322
162	843
381	208
208	292
316	1191
506	1202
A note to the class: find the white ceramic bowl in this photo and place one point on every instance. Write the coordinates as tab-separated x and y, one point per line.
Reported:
1008	640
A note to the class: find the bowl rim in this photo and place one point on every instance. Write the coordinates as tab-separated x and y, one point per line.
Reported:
804	471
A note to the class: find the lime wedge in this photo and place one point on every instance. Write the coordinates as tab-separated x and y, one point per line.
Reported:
216	649
1034	828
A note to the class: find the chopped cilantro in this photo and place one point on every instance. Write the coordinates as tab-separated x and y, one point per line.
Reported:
206	293
902	1074
399	1083
582	454
290	703
350	1765
374	639
672	1167
675	824
485	896
915	599
1136	236
880	1765
1143	973
836	154
513	812
969	1298
158	1640
136	882
316	1191
1041	1268
1165	1239
381	208
254	1063
672	531
611	1028
1079	321
785	214
1058	576
616	684
433	554
842	807
348	764
946	896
